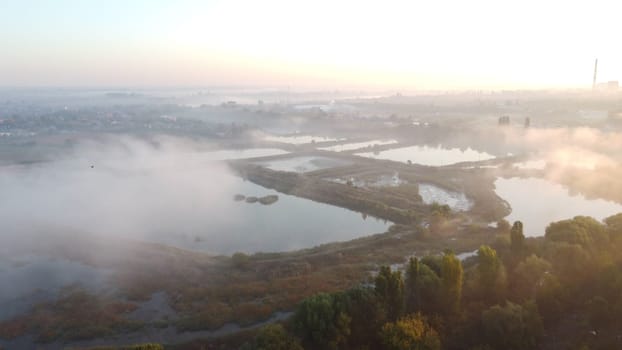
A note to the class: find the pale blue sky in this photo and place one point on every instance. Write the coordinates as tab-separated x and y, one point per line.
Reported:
407	44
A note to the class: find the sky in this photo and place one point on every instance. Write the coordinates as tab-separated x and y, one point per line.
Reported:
418	45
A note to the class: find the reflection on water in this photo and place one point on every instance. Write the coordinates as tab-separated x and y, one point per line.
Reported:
290	223
241	153
538	202
185	203
357	145
301	139
538	164
303	164
455	200
432	156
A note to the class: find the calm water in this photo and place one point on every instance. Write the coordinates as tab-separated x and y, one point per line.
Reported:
175	198
455	200
290	223
432	156
357	145
538	202
301	139
303	164
228	154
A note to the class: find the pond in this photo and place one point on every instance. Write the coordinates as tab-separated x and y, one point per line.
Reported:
301	139
228	154
303	164
357	145
427	155
455	200
538	202
175	200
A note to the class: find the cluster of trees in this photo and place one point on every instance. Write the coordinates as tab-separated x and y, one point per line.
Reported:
505	297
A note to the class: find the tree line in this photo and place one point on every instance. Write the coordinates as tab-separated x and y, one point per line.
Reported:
514	294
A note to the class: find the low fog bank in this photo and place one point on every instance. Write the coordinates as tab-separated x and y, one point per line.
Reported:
118	187
586	160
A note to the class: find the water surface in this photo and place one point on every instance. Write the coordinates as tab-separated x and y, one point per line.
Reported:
432	156
538	202
357	145
303	164
455	200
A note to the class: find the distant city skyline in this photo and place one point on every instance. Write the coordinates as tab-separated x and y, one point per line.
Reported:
410	45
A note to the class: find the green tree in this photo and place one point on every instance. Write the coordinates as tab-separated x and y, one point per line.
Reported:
321	321
410	333
492	278
529	275
582	230
614	224
451	282
503	226
513	326
275	337
367	317
411	286
517	238
389	287
240	260
571	262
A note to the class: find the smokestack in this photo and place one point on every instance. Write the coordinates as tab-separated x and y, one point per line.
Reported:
595	71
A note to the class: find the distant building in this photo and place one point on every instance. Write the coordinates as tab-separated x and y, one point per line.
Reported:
612	85
504	120
615	115
527	122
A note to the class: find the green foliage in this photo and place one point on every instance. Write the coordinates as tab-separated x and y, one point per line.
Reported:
570	261
614	224
274	337
321	321
367	316
529	275
513	326
148	346
240	260
433	262
503	227
580	230
517	238
492	279
410	333
389	288
423	285
412	286
451	283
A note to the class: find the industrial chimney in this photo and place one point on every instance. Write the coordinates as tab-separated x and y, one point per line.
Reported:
595	71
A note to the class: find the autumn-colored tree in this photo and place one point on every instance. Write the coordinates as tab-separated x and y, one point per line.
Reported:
412	332
492	278
275	337
451	282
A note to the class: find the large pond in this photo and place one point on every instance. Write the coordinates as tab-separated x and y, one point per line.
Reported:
538	202
432	156
301	139
455	200
303	164
357	145
174	198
